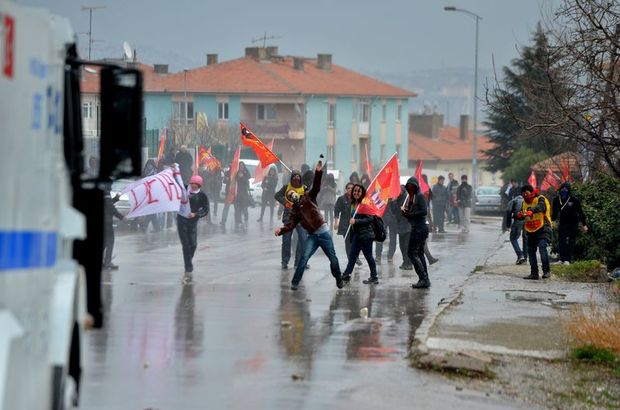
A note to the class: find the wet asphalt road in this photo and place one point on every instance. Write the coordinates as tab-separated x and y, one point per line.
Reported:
239	338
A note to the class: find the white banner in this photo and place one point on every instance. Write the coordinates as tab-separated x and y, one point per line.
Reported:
163	192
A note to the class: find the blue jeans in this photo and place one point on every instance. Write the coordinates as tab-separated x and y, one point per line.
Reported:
516	232
313	242
286	245
534	242
366	248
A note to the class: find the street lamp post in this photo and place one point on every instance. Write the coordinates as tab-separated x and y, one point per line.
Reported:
474	160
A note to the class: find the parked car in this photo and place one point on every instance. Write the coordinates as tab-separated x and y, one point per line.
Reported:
123	204
488	199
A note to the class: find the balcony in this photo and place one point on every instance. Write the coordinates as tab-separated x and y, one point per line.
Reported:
277	129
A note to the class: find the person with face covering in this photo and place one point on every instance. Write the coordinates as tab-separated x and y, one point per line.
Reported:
187	227
280	196
536	213
242	199
567	212
415	210
362	237
305	211
269	185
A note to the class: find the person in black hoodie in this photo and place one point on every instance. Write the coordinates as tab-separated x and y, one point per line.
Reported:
188	226
342	215
280	196
269	185
363	235
415	210
567	212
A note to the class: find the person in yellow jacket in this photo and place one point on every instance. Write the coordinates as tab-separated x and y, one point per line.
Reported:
536	212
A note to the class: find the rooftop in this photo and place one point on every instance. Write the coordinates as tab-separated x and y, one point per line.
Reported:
447	147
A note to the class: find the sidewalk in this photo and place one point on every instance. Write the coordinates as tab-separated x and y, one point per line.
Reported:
497	312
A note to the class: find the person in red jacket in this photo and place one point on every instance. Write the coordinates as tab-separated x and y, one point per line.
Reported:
305	211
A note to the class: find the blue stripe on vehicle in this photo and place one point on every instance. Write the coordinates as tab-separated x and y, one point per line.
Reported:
27	249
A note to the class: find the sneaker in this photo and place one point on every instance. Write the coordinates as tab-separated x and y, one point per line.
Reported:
406	267
521	260
294	286
346	278
433	261
358	262
284	266
371	281
546	275
532	277
339	283
110	266
422	284
187	278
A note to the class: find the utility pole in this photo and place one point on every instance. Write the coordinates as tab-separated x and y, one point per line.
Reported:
90	25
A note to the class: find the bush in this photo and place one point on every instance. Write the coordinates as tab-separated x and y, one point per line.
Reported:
581	271
600	199
594	354
594	326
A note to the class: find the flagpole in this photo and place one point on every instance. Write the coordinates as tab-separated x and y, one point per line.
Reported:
371	182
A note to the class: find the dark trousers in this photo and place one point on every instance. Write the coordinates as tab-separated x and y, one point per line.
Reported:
567	236
108	243
366	248
312	243
328	210
403	243
225	213
241	214
267	201
439	215
415	251
536	242
454	215
188	233
392	235
286	245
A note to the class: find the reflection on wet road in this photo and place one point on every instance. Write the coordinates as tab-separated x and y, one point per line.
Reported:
240	338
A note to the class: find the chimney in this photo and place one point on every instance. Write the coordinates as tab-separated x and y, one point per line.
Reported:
464	127
324	61
427	125
272	51
211	59
298	63
160	68
252	52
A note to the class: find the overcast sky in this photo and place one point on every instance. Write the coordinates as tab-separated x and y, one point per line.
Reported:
391	36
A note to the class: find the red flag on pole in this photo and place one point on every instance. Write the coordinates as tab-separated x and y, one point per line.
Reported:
423	185
234	168
386	185
261	171
565	173
206	158
368	165
550	180
532	180
264	154
162	146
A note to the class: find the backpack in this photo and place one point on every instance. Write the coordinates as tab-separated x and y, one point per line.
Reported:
379	228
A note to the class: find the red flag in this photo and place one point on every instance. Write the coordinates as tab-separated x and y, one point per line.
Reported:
234	168
162	146
550	180
260	172
565	173
423	185
264	154
532	180
368	165
206	158
386	185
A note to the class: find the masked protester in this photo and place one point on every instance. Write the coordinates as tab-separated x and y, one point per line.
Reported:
342	215
362	237
567	211
415	210
536	213
188	227
280	196
305	211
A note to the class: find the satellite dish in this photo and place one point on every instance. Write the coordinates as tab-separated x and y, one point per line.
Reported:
127	50
90	70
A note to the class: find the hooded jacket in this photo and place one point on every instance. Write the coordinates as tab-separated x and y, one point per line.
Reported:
280	196
306	212
363	226
342	212
569	211
416	208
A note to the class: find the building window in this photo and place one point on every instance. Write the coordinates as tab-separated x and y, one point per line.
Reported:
331	121
183	112
383	112
354	153
382	152
331	155
222	111
364	112
266	112
87	110
398	150
399	113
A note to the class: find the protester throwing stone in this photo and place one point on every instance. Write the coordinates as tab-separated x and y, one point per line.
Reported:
305	211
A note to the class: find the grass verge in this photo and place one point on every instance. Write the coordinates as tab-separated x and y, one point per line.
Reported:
581	271
595	327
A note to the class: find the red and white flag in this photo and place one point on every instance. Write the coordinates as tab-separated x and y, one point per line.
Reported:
162	192
264	154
